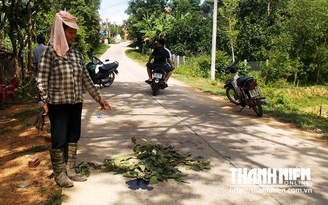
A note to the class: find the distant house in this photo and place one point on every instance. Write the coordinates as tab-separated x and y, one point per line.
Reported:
118	38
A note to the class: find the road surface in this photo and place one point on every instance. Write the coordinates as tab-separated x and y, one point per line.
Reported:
204	125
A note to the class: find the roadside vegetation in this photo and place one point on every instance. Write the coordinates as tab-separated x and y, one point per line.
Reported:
286	39
99	51
306	106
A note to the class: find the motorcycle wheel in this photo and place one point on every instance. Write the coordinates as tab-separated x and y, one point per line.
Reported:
155	88
233	96
257	107
110	78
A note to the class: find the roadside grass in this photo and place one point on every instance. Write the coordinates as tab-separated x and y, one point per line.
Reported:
56	197
305	107
139	57
101	50
206	85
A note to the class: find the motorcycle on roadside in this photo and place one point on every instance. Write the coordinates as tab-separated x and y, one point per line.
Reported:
106	71
244	91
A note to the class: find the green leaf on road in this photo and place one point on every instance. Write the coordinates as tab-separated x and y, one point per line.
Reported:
153	180
154	163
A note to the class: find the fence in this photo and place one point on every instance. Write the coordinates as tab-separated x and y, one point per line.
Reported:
178	60
181	60
256	65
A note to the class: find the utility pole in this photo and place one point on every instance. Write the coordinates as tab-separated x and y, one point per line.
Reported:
215	14
108	30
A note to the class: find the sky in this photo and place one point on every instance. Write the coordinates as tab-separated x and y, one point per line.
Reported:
114	11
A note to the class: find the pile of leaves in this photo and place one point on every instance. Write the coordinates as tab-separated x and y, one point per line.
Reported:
154	163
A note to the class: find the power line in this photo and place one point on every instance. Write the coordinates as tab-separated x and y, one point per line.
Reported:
115	5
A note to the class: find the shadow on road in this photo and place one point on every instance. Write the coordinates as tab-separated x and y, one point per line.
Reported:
204	126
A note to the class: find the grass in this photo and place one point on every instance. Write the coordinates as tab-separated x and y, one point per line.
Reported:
206	85
139	57
305	107
101	50
56	197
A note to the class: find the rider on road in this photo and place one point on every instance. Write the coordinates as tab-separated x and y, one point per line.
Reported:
162	59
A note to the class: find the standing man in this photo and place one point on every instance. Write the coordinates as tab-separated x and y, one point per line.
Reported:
37	51
162	58
61	79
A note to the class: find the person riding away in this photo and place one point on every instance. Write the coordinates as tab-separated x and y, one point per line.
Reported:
161	59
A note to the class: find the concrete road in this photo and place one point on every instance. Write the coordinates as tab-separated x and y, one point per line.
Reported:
204	125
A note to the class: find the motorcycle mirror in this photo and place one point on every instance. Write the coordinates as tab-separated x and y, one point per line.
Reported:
232	67
89	53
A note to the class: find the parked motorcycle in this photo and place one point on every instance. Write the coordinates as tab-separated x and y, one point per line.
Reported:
158	76
106	71
243	91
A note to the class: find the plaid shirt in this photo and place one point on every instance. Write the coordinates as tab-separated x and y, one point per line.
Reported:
61	80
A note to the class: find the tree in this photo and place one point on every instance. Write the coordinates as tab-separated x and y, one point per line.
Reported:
255	21
88	21
307	26
227	12
22	20
299	44
16	15
291	35
142	15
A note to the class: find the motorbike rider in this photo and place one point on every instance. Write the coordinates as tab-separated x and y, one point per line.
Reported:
162	58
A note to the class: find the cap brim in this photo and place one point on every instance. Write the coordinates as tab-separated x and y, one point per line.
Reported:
71	25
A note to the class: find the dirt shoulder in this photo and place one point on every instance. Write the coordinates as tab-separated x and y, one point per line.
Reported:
21	142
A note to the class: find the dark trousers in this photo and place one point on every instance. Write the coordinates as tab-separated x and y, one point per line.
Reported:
167	68
65	120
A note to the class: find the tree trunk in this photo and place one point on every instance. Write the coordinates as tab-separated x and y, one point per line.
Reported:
232	49
318	75
295	77
30	41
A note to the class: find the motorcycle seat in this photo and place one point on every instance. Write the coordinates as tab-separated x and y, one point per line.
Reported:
242	81
108	67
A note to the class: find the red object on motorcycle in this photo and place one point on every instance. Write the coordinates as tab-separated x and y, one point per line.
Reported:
252	85
247	83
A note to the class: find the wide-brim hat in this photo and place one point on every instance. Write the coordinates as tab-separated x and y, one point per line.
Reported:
68	19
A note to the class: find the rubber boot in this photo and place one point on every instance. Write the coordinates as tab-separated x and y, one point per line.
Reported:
71	163
58	166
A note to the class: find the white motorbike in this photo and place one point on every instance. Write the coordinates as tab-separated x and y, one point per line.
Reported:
243	91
